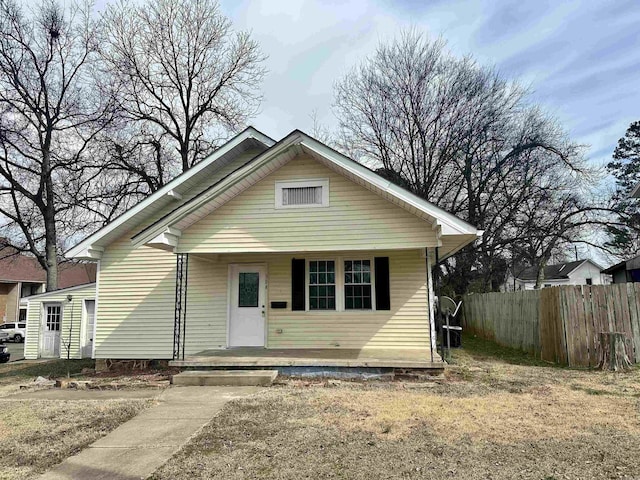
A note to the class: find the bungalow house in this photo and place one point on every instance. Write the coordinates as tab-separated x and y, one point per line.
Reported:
580	272
269	252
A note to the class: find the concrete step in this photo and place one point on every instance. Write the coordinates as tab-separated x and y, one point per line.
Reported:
234	378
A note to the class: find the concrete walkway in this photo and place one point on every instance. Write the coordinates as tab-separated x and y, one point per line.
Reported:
140	446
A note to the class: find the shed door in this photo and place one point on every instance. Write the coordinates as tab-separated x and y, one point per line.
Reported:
51	327
247	305
89	321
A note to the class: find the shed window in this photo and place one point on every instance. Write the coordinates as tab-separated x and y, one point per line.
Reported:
302	194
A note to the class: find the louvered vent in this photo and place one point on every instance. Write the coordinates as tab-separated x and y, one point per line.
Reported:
302	196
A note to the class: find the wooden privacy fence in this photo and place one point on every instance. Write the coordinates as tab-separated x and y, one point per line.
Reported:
558	324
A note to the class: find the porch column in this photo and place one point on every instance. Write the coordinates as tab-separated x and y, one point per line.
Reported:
180	312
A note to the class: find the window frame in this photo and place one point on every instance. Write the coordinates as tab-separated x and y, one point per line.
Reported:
323	183
340	284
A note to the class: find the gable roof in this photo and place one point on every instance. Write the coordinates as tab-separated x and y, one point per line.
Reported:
93	244
273	155
262	165
635	193
558	271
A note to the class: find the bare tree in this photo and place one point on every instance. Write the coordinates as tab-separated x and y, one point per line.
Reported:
49	119
183	79
459	135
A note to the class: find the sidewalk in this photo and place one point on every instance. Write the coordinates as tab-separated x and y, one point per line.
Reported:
140	446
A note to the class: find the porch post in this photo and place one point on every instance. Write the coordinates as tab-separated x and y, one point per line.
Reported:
437	282
180	310
429	300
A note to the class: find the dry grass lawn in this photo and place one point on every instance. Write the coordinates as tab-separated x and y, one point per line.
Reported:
488	418
38	434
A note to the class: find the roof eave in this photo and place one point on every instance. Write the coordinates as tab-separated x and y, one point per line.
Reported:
92	242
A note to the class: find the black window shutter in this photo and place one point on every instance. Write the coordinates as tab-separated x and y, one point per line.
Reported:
297	284
383	299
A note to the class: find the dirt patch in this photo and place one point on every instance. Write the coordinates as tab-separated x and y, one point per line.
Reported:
37	434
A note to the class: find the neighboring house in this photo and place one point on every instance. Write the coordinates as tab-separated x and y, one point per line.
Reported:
21	276
60	323
580	272
635	193
270	245
625	272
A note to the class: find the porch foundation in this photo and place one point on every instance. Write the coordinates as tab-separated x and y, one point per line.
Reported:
350	358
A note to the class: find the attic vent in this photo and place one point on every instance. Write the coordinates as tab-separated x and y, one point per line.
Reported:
302	194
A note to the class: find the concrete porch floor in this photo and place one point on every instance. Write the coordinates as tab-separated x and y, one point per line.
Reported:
321	357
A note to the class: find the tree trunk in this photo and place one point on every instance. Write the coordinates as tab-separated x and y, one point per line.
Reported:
613	355
51	255
540	275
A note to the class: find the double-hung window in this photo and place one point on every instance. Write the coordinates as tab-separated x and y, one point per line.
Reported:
357	285
340	285
322	285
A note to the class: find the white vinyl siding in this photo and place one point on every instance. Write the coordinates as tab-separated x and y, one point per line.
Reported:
70	324
355	219
135	308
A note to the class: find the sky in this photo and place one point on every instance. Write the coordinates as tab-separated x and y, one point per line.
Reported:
581	59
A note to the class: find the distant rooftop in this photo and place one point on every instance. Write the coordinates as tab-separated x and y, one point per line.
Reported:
559	271
18	267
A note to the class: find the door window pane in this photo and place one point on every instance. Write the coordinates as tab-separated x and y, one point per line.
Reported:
322	285
53	318
248	285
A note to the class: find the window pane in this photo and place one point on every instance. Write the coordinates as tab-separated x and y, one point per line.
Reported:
248	283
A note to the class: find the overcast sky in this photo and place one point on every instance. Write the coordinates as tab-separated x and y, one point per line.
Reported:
580	58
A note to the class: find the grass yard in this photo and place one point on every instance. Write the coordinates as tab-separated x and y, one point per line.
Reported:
496	415
37	434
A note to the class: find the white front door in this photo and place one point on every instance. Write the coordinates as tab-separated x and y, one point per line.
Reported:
51	330
89	320
247	305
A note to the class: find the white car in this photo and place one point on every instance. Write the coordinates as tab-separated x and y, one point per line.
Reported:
16	331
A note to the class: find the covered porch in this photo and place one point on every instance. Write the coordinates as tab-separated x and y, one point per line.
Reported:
313	357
